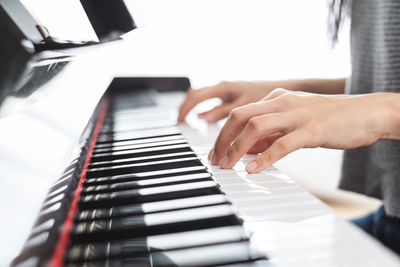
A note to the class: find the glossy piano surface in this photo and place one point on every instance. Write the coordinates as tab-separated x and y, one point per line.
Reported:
40	135
288	224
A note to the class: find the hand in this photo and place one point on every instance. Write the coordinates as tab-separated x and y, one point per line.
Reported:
285	121
232	94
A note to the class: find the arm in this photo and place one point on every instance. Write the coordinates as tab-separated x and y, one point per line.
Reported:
318	86
235	94
286	121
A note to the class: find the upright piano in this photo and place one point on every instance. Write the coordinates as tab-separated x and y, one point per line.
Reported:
96	172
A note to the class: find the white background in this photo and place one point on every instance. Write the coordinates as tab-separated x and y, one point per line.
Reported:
211	41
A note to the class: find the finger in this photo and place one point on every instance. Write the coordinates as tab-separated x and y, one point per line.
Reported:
237	120
194	97
210	153
223	110
264	143
256	128
285	96
276	93
279	149
218	112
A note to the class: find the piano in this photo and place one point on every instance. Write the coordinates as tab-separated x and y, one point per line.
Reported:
96	172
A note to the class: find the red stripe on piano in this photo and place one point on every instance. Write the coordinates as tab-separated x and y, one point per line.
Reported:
57	259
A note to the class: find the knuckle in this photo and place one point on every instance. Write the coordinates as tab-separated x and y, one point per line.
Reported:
287	97
234	150
224	84
264	157
282	146
254	124
235	114
277	92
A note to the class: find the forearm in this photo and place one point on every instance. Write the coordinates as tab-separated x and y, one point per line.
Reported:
389	115
318	86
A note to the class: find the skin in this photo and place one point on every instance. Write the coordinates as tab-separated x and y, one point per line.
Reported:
286	120
235	94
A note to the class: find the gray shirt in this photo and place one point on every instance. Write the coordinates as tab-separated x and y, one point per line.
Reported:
375	51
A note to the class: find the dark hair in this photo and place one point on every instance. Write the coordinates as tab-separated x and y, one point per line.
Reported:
338	11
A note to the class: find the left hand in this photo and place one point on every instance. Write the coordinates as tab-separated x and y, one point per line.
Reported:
285	121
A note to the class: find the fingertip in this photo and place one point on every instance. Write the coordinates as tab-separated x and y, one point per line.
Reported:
254	167
210	153
209	118
181	118
202	114
214	159
223	163
181	115
183	111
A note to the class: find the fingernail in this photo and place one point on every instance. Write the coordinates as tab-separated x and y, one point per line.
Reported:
252	166
224	162
210	119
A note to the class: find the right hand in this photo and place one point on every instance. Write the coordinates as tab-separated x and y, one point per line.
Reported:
232	94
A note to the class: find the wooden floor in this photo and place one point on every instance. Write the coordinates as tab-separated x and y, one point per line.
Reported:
318	170
352	207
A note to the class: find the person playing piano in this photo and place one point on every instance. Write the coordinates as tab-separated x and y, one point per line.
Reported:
360	114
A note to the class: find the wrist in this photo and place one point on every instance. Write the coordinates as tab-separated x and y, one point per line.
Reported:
391	116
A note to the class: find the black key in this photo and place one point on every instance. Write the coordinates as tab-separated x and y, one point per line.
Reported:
143	261
155	149
127	132
148	194
127	117
156	223
144	175
107	188
107	138
100	164
221	254
151	207
144	245
139	141
206	256
138	146
139	136
133	127
141	152
143	167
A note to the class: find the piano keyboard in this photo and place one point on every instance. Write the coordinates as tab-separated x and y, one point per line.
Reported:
144	199
144	194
